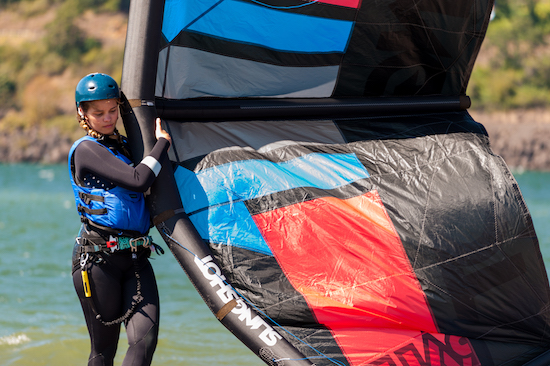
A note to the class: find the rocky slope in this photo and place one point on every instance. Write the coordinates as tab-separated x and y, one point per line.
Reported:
522	138
36	145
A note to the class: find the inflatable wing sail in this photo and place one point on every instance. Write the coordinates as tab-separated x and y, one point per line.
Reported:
331	199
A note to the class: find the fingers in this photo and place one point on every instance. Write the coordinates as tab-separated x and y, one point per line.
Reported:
159	131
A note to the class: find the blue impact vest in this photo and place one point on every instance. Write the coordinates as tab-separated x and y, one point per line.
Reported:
118	208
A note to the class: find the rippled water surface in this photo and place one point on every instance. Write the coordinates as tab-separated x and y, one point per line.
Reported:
40	318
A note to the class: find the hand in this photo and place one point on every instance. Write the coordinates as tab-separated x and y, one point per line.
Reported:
159	132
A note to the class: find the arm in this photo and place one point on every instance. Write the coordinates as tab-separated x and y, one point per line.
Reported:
92	158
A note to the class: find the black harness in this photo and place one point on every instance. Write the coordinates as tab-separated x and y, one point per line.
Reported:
85	248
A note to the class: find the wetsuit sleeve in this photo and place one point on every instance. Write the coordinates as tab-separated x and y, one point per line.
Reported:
90	157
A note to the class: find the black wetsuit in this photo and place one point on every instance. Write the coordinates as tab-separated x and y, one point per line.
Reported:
112	275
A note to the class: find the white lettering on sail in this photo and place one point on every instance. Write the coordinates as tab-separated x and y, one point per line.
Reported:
212	272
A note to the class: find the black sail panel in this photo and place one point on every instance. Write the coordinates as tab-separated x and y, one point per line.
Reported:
328	195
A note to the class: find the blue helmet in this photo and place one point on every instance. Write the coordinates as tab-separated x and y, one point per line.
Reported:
96	86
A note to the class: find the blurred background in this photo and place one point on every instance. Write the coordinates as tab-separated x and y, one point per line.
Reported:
46	46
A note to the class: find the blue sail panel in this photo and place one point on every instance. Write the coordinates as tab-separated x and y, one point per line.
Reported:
249	179
258	25
214	198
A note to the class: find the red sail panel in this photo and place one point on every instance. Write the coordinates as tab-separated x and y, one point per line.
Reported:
347	260
394	347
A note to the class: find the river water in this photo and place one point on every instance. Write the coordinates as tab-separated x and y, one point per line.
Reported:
40	318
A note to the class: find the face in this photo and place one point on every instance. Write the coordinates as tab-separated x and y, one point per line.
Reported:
102	115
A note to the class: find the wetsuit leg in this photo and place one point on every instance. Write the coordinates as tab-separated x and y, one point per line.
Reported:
143	326
113	286
107	296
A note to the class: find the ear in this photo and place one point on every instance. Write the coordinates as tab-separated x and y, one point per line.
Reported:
80	112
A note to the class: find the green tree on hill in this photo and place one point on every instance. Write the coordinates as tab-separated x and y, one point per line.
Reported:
513	70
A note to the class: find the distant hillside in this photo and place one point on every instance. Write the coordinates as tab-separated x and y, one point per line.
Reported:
513	67
46	46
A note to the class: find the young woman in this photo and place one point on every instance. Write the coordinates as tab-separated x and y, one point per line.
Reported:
111	271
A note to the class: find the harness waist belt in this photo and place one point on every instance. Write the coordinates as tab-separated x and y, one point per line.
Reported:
115	243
